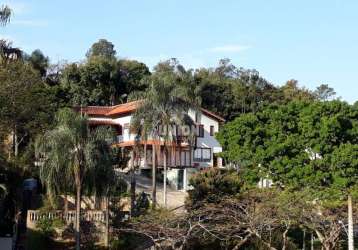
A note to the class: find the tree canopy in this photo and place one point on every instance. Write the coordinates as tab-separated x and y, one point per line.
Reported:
300	144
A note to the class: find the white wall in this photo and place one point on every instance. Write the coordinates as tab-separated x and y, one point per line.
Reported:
123	120
207	141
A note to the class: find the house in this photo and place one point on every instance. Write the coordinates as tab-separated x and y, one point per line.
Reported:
183	160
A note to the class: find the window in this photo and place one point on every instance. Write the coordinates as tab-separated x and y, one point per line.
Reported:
202	154
212	130
126	127
200	131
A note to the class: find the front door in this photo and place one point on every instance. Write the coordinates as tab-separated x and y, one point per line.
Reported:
180	179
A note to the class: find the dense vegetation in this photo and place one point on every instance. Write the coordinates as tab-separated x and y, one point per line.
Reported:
302	142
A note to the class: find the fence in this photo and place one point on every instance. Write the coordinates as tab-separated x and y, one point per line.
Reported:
34	216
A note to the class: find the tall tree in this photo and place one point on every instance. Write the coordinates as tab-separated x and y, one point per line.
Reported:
324	92
96	82
231	91
27	106
299	145
166	103
71	149
39	62
102	48
132	74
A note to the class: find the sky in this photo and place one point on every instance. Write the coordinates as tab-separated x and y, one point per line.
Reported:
312	41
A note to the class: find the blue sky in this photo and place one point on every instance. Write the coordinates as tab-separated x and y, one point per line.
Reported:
312	41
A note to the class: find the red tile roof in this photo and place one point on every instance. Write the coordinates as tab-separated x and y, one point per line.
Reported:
94	110
129	107
212	115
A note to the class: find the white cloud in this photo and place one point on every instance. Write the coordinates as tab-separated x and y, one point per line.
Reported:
30	23
233	48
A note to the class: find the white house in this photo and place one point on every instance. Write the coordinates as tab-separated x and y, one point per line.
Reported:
183	161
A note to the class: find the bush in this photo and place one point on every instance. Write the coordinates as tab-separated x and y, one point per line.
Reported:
142	204
212	185
47	226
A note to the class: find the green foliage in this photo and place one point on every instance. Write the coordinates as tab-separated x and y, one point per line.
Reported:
324	92
45	226
142	204
38	61
73	153
103	81
300	144
212	185
102	48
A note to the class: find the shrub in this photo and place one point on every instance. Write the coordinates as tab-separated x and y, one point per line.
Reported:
213	184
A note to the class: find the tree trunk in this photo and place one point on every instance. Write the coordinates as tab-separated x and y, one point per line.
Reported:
65	201
350	224
312	246
106	239
304	240
78	217
154	178
133	184
165	178
284	236
145	154
16	144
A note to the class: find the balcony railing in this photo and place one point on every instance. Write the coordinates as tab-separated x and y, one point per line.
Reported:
92	215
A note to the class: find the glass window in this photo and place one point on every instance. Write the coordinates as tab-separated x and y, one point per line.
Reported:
201	130
206	154
202	154
212	130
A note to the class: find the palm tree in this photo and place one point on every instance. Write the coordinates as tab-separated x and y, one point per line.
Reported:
73	152
6	50
166	103
5	14
103	160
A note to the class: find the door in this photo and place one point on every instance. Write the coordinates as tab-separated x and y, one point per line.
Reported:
180	179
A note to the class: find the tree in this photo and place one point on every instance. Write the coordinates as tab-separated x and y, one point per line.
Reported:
102	48
291	92
39	62
27	106
9	53
344	164
71	150
231	91
96	82
5	14
132	75
324	92
166	103
299	145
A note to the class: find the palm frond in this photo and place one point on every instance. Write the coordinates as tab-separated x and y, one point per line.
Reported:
5	14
